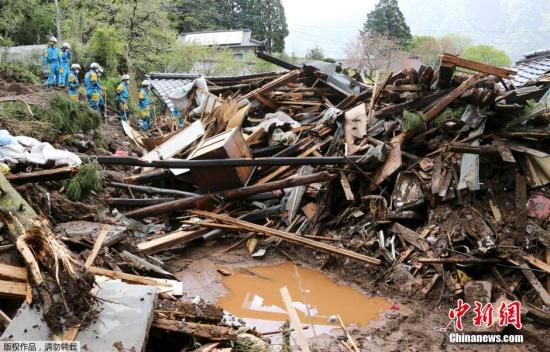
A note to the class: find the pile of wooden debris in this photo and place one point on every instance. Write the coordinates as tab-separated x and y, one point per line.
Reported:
436	177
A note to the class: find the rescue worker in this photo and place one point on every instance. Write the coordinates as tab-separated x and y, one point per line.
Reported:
51	61
102	89
145	114
122	96
93	92
66	57
73	82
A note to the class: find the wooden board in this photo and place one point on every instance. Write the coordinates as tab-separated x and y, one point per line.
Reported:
355	127
477	66
168	241
289	237
13	289
295	322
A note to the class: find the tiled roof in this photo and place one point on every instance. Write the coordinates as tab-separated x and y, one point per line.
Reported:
532	66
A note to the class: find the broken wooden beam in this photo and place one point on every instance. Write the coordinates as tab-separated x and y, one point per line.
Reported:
289	237
205	200
477	66
56	174
206	331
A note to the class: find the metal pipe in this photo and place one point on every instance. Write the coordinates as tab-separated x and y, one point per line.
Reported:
217	163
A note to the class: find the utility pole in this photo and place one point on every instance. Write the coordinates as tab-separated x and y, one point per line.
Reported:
58	20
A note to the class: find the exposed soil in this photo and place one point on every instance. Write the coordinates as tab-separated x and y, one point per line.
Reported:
411	325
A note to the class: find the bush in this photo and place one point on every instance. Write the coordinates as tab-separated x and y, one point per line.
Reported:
87	180
20	72
105	47
69	116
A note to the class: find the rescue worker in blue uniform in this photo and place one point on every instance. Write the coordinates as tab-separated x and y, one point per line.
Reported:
73	82
145	113
122	97
93	92
65	67
51	60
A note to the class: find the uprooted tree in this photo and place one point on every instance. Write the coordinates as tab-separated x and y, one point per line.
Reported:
60	283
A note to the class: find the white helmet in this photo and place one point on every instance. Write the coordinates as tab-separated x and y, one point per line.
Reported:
66	45
94	65
126	77
146	83
75	67
52	39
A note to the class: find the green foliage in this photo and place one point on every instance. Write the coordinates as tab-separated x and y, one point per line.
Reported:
105	47
529	106
87	180
68	116
315	54
18	72
213	61
449	114
387	19
27	22
411	120
487	54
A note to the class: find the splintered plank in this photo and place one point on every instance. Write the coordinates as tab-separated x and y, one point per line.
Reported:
289	237
477	66
355	127
276	83
42	175
295	322
170	240
13	289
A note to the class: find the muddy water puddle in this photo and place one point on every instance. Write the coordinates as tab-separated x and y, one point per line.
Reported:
254	295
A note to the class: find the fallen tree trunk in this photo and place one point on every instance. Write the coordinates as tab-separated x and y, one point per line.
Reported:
204	201
61	283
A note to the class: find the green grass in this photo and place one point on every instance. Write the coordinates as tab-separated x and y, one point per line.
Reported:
87	180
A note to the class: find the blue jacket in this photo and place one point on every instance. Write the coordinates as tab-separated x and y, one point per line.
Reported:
143	98
66	57
51	55
90	80
122	92
73	80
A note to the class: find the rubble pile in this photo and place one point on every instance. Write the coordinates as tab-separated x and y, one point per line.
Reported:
434	181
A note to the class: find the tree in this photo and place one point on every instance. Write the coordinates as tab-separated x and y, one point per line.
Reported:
371	52
105	47
27	22
387	19
428	48
145	30
315	54
487	54
266	19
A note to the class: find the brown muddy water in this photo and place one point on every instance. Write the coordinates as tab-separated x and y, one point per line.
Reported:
254	295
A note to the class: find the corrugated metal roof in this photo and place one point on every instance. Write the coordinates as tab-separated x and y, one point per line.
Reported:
532	66
239	38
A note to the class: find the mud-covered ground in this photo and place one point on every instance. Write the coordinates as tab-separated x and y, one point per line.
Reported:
415	325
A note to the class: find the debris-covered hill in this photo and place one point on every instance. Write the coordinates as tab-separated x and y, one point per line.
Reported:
426	186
